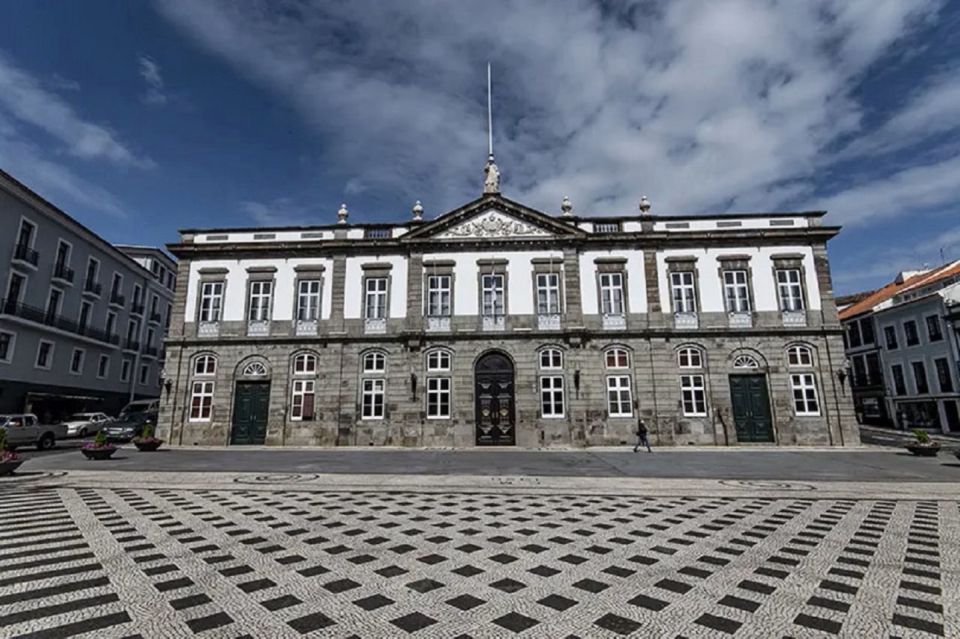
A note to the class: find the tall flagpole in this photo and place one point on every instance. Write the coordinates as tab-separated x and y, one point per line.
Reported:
489	115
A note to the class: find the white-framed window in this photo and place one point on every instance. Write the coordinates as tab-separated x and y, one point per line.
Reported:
616	358
551	396
26	236
150	335
261	292
805	400
76	361
690	357
438	295
7	341
619	396
683	292
551	359
375	298
492	290
302	402
254	369
736	292
144	374
693	395
137	295
54	301
125	367
745	361
201	401
548	293
103	367
111	325
308	300
116	285
372	398
93	272
205	365
374	362
305	364
438	361
790	289
798	355
611	293
211	301
438	398
44	355
86	308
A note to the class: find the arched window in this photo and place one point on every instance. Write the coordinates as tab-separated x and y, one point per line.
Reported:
304	364
745	361
373	385
438	361
616	358
690	357
551	358
374	362
254	369
799	356
205	365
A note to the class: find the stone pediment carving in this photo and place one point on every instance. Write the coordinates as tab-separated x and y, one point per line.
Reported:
493	224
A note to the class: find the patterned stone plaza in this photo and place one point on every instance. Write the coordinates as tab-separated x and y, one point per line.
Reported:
251	557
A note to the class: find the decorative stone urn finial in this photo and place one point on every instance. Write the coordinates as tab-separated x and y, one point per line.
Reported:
644	205
342	214
566	206
417	212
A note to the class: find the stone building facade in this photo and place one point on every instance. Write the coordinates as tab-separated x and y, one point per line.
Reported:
499	324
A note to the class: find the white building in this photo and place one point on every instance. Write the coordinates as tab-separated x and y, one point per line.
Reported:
496	323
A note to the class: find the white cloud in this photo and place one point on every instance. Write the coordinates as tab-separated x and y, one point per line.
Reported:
702	106
24	98
150	72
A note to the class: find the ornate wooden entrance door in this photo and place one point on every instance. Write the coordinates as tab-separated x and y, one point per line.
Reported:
751	408
251	407
494	392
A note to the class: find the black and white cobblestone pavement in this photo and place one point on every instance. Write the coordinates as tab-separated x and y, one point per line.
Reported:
262	558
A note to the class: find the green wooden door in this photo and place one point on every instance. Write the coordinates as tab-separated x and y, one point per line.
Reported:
251	406
751	408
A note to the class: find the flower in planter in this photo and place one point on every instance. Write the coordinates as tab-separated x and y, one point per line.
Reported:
6	455
923	437
147	435
99	442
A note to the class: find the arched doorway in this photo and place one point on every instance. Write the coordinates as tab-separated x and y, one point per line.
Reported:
251	403
749	399
494	398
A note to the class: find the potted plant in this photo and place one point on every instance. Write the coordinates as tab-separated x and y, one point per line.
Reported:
146	442
923	447
99	448
9	460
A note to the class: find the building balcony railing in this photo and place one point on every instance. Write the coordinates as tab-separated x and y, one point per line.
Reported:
306	327
93	287
62	272
548	321
794	318
208	329
740	320
131	345
375	325
494	322
686	320
614	321
438	323
156	318
41	316
117	299
24	253
258	328
137	309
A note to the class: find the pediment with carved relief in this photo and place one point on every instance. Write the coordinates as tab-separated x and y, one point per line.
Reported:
493	224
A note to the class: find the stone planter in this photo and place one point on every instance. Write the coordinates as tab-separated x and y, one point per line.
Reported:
148	446
98	453
7	467
924	450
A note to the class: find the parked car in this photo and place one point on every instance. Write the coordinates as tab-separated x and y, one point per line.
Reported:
25	429
83	424
131	426
148	406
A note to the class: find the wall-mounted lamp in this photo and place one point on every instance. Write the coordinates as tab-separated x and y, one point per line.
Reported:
413	386
576	382
842	375
168	386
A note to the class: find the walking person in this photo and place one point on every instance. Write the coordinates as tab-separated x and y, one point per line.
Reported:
642	436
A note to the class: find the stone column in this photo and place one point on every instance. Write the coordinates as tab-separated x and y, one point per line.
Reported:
414	319
337	278
571	284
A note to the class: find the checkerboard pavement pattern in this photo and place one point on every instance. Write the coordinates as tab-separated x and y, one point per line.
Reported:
105	562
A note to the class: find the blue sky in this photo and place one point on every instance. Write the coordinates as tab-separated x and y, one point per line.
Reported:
140	118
